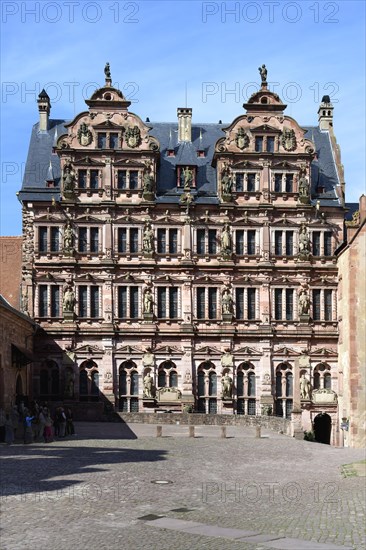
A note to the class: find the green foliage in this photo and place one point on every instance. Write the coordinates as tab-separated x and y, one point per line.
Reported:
309	436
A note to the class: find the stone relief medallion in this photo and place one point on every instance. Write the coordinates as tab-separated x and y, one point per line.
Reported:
242	139
288	139
85	137
133	137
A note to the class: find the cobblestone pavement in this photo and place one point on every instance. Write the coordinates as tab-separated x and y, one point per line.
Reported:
91	491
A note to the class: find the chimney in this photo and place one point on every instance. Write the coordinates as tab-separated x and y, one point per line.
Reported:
44	107
184	124
325	114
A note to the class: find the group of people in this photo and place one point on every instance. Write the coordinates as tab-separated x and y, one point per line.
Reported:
35	424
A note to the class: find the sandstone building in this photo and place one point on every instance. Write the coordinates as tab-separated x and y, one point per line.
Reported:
184	265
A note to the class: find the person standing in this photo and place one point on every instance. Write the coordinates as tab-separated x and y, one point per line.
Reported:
28	431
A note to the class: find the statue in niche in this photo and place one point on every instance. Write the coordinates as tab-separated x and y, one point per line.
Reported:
187	178
226	182
227	386
227	302
304	187
148	386
148	301
304	303
68	237
226	239
263	72
107	71
304	241
68	179
69	300
148	183
148	239
304	387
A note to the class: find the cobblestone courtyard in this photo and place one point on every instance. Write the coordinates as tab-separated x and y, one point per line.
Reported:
98	490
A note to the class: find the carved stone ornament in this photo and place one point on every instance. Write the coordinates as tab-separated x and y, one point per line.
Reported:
324	396
85	137
242	139
288	139
133	137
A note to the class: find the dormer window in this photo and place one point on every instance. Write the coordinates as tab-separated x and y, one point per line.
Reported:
270	144
186	176
102	140
108	140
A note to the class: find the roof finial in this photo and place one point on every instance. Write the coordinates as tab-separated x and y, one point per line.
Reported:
263	72
107	72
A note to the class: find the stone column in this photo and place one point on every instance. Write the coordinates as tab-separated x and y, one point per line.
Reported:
296	425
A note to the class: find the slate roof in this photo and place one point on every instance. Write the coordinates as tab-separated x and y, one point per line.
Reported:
204	137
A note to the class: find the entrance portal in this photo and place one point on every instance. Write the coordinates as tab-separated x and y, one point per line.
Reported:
322	428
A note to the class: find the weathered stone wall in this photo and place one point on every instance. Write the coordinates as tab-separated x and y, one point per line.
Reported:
11	269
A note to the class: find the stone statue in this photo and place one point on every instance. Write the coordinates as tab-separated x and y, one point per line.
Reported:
24	302
148	301
226	182
148	183
304	242
226	239
263	72
148	239
68	179
68	237
187	178
227	386
304	188
304	303
227	302
148	386
304	387
107	71
69	300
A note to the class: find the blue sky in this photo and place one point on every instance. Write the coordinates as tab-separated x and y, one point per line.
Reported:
159	49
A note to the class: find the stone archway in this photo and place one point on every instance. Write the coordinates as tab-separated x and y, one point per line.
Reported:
322	428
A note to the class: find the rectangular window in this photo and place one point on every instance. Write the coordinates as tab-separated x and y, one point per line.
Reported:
83	239
212	247
42	239
270	144
251	242
42	301
239	182
239	242
316	243
82	179
251	183
251	303
55	301
134	179
102	140
259	144
83	301
212	303
94	301
122	236
289	243
113	141
134	302
122	302
239	295
278	183
122	179
328	305
94	179
161	302
200	242
55	239
161	243
278	303
327	243
94	239
278	243
289	304
316	305
134	240
173	303
173	241
289	183
252	407
200	303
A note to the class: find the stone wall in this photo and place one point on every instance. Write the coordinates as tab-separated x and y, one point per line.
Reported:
11	269
196	419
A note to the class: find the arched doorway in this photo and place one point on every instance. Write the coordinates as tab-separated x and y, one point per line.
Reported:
322	428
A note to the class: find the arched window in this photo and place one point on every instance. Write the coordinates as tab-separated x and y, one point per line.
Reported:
55	381
161	378
240	383
83	383
134	383
201	383
327	381
289	384
212	384
278	384
94	383
251	384
173	379
122	382
43	381
316	380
